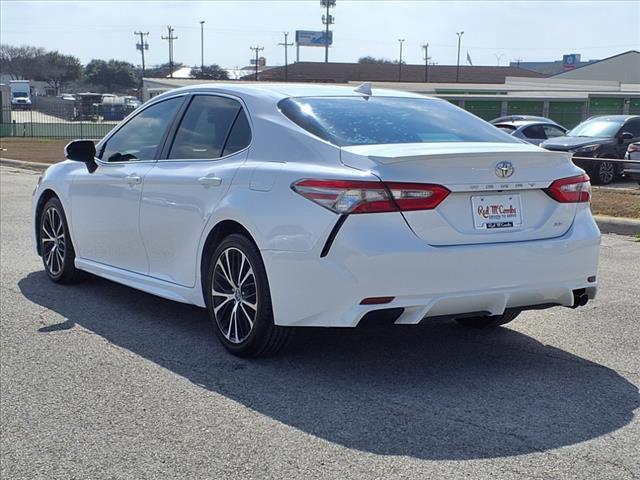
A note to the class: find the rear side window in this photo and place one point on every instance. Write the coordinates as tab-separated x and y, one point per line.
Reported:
240	136
204	128
346	121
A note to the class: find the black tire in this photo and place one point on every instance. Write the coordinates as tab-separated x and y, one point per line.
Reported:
488	321
56	248
603	172
243	330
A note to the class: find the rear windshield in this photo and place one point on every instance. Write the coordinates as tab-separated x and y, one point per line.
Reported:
346	121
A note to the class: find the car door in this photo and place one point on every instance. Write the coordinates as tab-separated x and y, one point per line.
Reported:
184	187
106	203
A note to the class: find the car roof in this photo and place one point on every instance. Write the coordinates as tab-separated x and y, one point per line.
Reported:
515	118
279	91
522	123
614	118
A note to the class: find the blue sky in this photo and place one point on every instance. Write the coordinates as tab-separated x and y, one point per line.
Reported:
529	30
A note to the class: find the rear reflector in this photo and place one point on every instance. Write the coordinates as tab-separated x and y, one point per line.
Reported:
376	300
354	196
571	190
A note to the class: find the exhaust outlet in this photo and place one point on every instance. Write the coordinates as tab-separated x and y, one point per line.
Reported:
580	298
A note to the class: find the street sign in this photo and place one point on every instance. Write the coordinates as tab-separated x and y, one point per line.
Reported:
310	38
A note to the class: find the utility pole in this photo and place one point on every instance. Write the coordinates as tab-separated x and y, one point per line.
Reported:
426	62
327	20
170	38
142	46
400	41
257	50
459	34
498	58
286	60
202	46
518	60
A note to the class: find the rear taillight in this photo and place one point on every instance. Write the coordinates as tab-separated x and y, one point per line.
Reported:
354	196
571	190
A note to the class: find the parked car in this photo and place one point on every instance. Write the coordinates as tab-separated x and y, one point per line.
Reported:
277	206
601	137
533	130
632	170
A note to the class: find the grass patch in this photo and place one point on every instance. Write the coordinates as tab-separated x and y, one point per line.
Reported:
616	203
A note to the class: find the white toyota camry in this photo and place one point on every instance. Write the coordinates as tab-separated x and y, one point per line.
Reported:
278	206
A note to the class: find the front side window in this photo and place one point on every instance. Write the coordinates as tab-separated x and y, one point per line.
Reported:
633	127
205	127
553	131
535	132
346	121
140	138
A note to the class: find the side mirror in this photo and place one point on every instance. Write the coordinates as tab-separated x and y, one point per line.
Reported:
82	151
625	136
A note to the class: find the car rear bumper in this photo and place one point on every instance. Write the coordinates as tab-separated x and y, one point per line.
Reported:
379	256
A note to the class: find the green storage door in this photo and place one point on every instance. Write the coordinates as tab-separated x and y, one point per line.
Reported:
606	106
567	114
520	107
455	102
485	109
634	106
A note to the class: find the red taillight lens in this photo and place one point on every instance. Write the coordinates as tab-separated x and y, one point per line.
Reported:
571	190
417	196
354	196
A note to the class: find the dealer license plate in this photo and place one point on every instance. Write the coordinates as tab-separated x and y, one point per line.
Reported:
494	212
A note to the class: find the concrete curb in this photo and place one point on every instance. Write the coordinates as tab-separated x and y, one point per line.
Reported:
621	226
40	167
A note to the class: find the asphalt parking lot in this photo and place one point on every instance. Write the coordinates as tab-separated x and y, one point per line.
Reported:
101	381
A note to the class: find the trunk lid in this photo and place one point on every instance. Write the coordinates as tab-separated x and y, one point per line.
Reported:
523	210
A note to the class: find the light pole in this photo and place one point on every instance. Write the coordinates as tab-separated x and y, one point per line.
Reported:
498	58
400	41
201	45
459	34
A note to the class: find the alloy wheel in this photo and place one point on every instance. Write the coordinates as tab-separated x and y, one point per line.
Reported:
234	295
53	240
606	172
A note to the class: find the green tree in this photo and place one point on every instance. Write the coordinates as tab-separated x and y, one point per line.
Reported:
210	72
21	63
370	59
57	69
113	75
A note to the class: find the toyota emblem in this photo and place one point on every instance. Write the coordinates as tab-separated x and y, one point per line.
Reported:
504	169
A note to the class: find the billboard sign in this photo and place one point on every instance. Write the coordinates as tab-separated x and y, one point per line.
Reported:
310	38
570	61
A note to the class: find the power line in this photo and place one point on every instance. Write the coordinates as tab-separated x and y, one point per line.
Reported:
286	62
257	50
170	38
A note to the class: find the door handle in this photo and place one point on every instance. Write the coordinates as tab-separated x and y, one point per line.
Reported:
210	181
133	179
